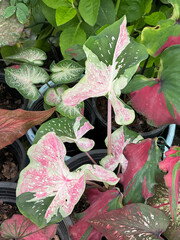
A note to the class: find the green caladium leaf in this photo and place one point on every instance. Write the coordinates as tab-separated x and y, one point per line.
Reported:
89	10
112	59
140	177
10	28
165	34
56	3
134	221
24	8
9	11
21	16
24	79
65	14
19	227
161	201
119	140
65	71
106	13
176	8
164	91
53	97
70	37
29	55
154	18
47	178
69	130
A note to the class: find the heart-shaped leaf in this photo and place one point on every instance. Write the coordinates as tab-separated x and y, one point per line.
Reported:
25	78
19	227
100	203
65	71
10	29
53	97
134	221
29	55
112	59
69	130
171	164
143	168
48	179
164	35
164	94
119	140
15	123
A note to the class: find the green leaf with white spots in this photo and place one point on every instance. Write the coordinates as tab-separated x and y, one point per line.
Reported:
65	71
53	97
69	130
10	28
29	55
25	78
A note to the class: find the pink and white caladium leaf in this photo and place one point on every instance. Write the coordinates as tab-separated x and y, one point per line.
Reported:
112	59
15	123
47	191
100	202
53	97
69	130
29	55
24	79
134	221
171	164
20	227
65	71
157	39
143	168
162	94
119	140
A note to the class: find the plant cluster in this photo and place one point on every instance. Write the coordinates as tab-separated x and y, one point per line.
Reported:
137	54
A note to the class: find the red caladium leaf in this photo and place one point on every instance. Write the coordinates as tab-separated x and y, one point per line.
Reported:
112	59
19	227
143	167
15	123
171	164
99	203
48	179
119	140
162	96
134	221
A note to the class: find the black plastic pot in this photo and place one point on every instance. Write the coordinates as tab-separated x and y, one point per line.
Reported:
103	124
13	92
17	149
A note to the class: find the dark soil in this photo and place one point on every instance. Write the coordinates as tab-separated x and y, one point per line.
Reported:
139	124
8	165
7	211
9	100
176	141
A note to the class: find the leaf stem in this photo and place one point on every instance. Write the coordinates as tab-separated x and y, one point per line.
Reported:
109	122
96	186
117	6
75	5
92	160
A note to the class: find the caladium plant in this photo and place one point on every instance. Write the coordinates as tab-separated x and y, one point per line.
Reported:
47	190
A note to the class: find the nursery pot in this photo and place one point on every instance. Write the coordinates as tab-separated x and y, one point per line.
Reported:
13	96
19	156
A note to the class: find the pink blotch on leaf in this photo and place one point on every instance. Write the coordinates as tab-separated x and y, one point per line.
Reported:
16	66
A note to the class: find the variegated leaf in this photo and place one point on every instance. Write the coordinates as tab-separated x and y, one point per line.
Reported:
112	59
29	55
66	71
134	221
119	140
19	227
25	78
53	97
69	130
47	178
